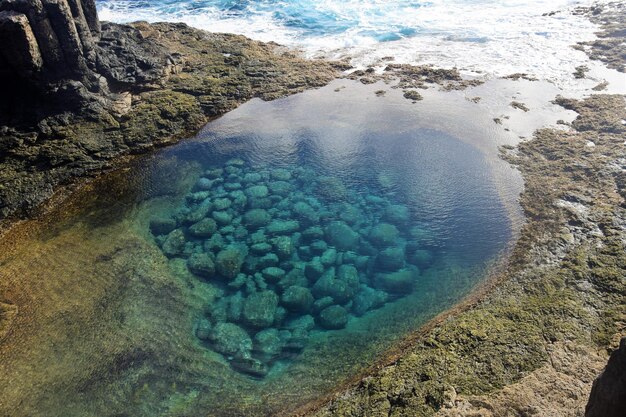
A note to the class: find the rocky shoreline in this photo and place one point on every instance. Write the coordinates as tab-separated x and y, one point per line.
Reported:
531	344
532	341
134	88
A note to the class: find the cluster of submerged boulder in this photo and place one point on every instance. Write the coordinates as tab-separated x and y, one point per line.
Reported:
293	252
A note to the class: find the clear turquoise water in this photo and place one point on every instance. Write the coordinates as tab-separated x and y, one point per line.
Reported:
307	227
141	324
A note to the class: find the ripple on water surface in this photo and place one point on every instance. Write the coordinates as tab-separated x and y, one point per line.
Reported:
258	265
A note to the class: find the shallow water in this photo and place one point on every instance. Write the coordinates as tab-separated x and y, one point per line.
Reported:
109	315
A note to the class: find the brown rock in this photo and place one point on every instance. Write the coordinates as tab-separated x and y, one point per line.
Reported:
608	393
19	46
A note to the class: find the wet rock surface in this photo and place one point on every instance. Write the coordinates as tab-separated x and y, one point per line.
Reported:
315	257
609	47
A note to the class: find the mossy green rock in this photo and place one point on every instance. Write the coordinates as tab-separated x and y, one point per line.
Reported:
228	262
174	244
230	339
341	236
390	259
397	282
257	191
204	228
162	226
201	264
333	318
256	218
297	299
384	234
260	308
222	218
273	274
283	227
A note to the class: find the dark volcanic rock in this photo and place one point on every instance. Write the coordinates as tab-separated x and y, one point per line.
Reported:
608	394
76	94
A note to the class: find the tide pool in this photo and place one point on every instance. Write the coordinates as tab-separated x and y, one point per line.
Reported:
257	266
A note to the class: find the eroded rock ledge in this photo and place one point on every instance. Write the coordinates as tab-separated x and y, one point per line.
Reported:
78	94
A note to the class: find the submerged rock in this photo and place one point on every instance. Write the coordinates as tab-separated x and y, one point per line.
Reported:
273	274
162	226
256	218
401	282
384	234
201	264
174	244
259	309
230	339
283	227
250	366
228	262
390	259
333	318
367	299
341	236
203	228
297	299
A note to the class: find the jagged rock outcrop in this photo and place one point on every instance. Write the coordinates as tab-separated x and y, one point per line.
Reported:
77	94
57	57
608	394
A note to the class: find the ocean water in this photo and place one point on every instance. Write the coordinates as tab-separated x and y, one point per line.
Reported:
481	37
255	267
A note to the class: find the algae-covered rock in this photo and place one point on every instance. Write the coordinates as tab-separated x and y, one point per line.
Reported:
312	233
280	174
421	258
367	299
384	234
267	344
297	299
250	366
305	214
220	204
390	259
314	269
174	244
204	228
230	339
282	227
322	303
331	189
333	318
397	282
256	218
201	264
328	285
259	309
251	178
284	247
273	274
228	262
341	236
162	225
222	218
280	188
318	247
203	329
257	191
396	214
260	248
329	257
294	277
